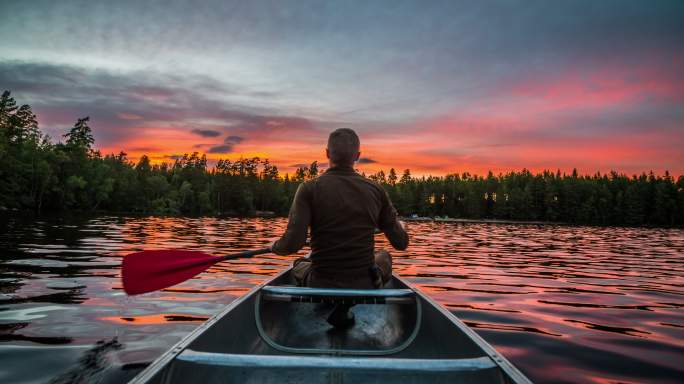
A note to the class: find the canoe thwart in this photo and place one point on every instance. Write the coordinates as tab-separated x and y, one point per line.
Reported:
338	296
334	362
306	291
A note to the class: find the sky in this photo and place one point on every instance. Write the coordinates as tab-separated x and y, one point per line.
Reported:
434	86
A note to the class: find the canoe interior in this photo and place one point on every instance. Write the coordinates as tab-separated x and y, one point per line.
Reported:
298	331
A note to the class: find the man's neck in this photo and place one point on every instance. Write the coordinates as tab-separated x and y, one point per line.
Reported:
341	166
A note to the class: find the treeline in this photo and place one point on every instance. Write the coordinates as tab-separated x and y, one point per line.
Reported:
38	175
609	199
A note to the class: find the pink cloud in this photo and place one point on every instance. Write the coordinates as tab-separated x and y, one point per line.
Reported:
607	118
605	87
128	116
596	118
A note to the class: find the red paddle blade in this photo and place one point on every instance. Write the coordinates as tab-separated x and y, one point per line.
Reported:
149	271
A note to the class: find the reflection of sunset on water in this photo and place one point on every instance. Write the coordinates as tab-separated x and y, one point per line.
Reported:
545	296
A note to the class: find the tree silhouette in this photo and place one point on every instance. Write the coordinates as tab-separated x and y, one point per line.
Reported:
80	136
38	175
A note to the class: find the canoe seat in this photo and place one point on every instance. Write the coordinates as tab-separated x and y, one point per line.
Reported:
337	296
346	363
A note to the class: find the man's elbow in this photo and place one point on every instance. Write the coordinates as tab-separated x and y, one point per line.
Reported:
401	243
401	246
284	248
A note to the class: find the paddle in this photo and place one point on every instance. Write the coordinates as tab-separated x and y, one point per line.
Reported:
149	271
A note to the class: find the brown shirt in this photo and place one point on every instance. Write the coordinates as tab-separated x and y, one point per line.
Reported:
343	210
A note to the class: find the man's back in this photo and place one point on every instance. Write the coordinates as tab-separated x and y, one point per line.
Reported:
347	208
343	209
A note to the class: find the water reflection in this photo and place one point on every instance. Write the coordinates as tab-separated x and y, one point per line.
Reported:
563	303
92	365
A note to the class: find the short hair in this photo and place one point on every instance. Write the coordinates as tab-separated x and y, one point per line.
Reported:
343	145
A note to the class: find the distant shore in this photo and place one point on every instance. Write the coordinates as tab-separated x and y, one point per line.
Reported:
28	214
484	221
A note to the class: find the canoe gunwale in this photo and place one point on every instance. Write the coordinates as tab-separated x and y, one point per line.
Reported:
162	361
336	351
505	365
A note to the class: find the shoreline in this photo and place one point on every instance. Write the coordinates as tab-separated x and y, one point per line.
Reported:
485	221
272	215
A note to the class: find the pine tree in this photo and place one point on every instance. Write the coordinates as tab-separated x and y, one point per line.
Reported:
313	170
406	177
392	178
80	136
7	108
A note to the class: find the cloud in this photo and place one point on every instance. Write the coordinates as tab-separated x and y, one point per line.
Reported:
484	86
366	160
206	132
234	139
128	116
121	104
145	149
227	148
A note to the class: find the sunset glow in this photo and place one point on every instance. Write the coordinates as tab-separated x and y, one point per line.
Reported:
453	87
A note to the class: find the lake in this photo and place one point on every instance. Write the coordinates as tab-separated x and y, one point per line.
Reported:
563	303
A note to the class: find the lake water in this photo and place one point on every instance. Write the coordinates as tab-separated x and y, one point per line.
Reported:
563	303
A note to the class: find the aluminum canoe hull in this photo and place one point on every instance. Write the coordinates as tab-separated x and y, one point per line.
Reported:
264	337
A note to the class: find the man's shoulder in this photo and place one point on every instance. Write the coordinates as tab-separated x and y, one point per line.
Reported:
354	176
372	184
308	184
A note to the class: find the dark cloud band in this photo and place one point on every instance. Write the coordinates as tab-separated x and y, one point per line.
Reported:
366	160
60	94
206	132
227	148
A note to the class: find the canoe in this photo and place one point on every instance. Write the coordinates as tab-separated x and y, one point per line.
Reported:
277	333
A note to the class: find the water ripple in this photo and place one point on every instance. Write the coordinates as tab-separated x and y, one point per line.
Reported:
587	304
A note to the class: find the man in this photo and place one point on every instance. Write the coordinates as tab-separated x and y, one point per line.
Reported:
343	210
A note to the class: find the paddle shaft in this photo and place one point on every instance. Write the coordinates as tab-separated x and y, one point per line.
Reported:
244	254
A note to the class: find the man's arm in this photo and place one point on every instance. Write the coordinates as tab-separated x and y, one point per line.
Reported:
299	219
394	230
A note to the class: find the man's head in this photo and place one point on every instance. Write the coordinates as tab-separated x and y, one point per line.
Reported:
343	147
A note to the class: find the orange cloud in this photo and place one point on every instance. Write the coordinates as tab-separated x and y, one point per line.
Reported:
612	117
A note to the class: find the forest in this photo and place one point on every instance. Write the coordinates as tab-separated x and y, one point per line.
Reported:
72	175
